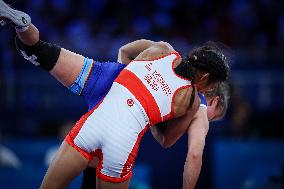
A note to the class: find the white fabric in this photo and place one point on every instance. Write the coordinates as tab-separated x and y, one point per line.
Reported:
159	78
114	128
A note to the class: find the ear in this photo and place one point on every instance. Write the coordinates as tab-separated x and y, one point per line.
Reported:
213	101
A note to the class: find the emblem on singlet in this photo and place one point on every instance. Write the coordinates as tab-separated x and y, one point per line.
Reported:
130	102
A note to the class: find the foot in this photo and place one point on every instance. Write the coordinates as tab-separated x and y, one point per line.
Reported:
13	16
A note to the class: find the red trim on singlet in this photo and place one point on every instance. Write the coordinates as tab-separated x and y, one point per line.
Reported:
173	64
171	114
129	80
99	154
76	129
128	166
174	52
107	178
126	172
86	154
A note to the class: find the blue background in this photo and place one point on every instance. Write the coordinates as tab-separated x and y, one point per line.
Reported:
245	150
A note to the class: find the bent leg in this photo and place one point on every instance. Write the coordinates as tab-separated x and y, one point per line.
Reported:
62	64
67	164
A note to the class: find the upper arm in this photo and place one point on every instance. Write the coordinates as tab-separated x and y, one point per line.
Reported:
168	132
155	51
129	51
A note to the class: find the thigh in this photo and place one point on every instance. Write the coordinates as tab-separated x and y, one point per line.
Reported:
67	164
68	67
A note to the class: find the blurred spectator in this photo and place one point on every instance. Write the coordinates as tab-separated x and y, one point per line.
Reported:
97	28
239	116
62	132
8	158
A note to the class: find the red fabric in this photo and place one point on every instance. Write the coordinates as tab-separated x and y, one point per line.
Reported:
76	129
99	154
128	166
142	94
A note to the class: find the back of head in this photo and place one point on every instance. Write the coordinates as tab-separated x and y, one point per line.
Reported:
211	58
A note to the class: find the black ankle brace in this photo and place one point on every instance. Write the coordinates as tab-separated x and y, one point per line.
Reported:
41	54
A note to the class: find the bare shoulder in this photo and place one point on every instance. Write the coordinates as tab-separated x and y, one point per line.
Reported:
158	50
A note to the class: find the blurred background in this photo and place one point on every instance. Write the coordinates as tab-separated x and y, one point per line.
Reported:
244	151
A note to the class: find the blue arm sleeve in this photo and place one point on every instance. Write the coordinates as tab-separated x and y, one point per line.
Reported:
95	80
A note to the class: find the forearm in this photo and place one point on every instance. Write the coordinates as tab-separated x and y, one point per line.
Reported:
192	168
196	141
193	163
174	130
129	51
171	130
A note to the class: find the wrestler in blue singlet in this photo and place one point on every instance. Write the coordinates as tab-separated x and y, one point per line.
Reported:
95	80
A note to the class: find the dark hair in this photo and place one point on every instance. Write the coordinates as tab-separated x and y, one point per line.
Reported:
210	58
223	92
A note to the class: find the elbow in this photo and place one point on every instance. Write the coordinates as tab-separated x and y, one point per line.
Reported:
121	49
196	156
166	47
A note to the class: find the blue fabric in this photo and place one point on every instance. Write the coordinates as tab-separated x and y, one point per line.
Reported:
202	99
78	86
95	80
99	81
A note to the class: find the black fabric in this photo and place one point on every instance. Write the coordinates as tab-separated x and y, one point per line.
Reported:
89	178
41	54
186	70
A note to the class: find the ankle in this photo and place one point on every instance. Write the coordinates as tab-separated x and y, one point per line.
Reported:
20	29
